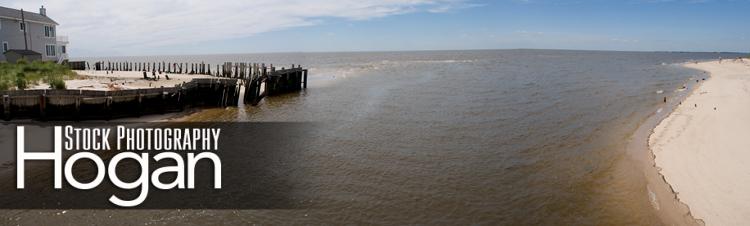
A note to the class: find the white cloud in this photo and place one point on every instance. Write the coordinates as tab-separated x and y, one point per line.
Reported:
125	26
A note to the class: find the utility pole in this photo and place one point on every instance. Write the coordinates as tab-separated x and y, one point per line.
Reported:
23	21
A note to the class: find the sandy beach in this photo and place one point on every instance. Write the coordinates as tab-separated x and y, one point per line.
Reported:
122	80
702	148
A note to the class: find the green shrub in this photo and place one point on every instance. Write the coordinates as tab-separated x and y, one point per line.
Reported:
23	74
21	81
4	85
57	84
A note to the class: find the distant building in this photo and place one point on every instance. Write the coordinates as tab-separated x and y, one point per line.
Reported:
41	34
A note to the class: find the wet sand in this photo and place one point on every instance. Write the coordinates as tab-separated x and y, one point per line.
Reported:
701	148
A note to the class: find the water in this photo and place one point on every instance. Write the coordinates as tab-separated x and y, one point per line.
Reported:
460	137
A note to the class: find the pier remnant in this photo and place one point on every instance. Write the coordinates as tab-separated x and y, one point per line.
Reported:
256	80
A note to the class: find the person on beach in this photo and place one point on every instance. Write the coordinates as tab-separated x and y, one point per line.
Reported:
145	75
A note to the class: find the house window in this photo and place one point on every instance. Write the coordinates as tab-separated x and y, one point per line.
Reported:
63	50
50	50
5	47
49	31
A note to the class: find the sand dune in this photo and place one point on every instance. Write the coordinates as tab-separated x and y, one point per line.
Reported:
703	147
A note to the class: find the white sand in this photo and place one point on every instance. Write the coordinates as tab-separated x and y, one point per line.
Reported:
121	80
704	154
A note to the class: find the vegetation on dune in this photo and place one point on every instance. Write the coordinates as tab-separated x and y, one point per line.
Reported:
22	74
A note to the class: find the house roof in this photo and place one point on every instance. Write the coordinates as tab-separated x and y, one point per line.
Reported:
9	13
23	52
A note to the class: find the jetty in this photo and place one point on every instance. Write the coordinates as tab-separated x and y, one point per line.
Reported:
229	85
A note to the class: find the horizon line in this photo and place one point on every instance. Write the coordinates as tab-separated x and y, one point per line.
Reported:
418	50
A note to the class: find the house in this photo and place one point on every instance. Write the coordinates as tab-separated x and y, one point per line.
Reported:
40	34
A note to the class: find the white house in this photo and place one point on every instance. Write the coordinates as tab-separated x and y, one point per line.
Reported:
38	34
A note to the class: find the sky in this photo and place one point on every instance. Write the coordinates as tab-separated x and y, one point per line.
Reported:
175	27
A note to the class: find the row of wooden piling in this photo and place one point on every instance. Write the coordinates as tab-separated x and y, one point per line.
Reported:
176	68
239	70
259	80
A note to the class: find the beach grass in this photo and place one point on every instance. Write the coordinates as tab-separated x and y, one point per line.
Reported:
22	74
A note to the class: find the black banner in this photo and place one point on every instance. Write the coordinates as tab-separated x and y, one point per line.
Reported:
256	161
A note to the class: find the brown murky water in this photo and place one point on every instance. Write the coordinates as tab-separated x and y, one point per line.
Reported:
458	137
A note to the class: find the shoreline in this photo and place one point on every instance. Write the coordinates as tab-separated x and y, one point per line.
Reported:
684	144
657	190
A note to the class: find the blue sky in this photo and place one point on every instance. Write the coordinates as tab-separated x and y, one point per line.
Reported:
597	25
142	27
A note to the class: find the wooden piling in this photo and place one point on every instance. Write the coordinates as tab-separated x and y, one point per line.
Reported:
108	108
163	101
139	109
304	84
6	107
43	106
77	115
